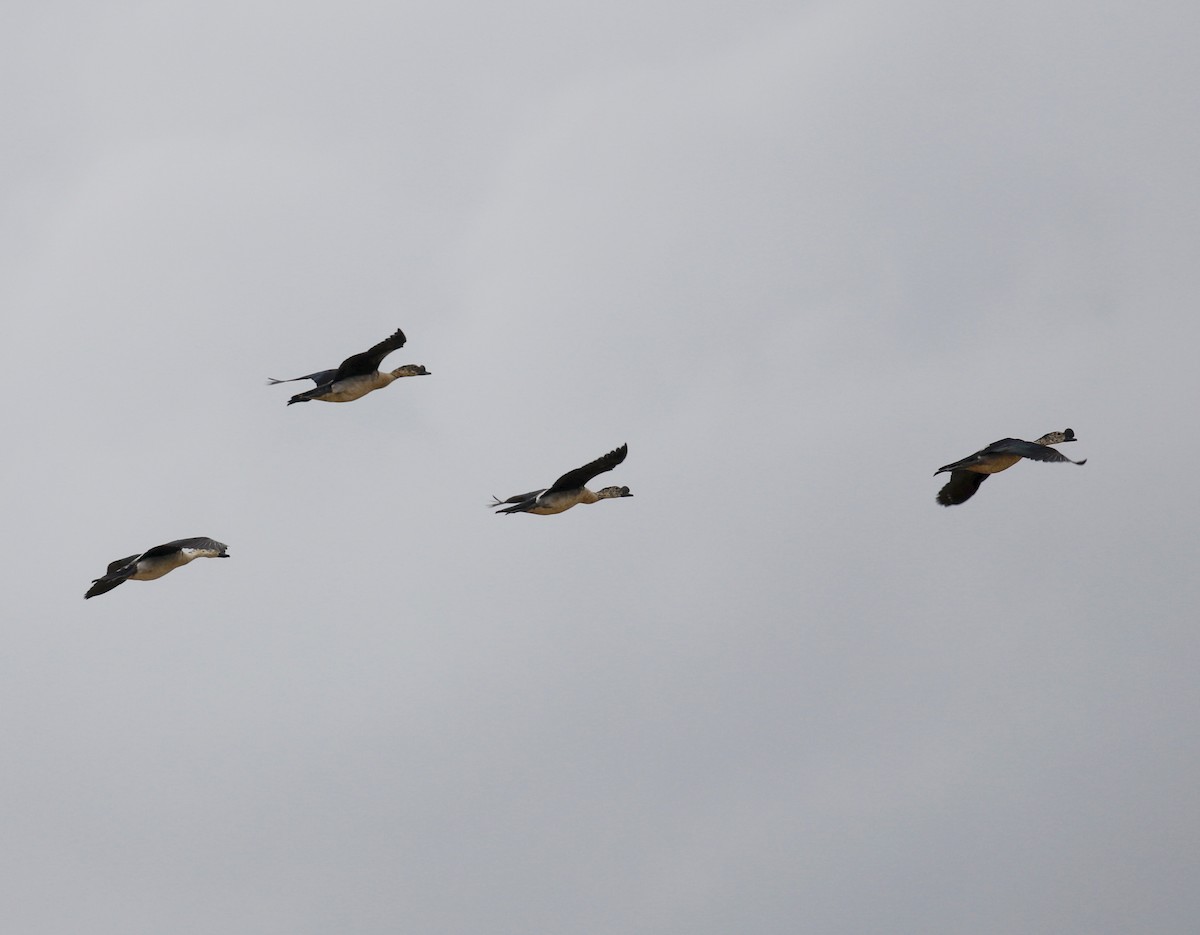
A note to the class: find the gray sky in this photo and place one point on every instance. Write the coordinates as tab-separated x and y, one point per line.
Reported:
797	256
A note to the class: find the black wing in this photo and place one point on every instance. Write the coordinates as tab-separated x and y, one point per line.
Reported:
119	563
106	584
1024	449
369	361
981	456
320	378
960	488
519	498
178	545
579	477
523	507
116	573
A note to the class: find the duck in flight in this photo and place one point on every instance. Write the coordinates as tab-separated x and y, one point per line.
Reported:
156	562
569	489
357	375
966	475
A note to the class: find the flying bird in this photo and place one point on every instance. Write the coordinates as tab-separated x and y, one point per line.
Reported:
966	475
357	375
569	489
156	562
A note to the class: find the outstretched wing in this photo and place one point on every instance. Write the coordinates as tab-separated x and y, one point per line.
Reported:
116	573
119	563
106	584
1024	449
960	488
369	361
519	498
579	477
320	377
200	544
522	503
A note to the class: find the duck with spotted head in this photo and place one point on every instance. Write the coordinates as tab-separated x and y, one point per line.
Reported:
967	475
356	376
156	562
569	490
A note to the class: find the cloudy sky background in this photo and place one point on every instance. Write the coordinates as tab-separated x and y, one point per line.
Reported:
797	256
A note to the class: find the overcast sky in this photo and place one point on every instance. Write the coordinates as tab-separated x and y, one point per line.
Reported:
797	256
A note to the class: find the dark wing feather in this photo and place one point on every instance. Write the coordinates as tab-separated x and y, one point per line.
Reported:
518	505
369	361
119	563
199	542
579	477
196	542
519	498
1000	447
1024	449
308	395
117	573
960	488
320	377
105	584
